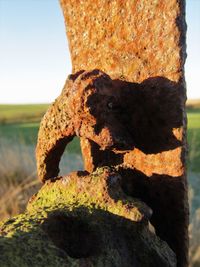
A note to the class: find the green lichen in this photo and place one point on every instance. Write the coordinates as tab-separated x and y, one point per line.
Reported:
90	191
115	231
23	243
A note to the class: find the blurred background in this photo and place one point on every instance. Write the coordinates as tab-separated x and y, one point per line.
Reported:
34	64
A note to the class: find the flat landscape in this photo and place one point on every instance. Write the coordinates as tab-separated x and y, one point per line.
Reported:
193	135
19	126
21	113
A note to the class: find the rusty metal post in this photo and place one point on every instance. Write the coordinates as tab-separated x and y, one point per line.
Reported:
141	42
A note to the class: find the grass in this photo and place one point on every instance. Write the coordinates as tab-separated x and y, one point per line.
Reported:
22	113
26	133
194	139
193	118
20	123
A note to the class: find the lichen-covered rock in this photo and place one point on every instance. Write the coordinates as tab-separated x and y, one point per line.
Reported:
99	190
83	220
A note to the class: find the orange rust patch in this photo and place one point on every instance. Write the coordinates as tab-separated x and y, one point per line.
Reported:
166	163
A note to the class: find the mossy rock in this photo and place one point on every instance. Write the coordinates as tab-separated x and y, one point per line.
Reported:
83	220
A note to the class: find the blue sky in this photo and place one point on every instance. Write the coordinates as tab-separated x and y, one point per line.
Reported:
192	66
34	56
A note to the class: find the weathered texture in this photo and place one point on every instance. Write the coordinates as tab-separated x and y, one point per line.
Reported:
83	220
99	190
84	108
139	136
131	39
96	108
137	41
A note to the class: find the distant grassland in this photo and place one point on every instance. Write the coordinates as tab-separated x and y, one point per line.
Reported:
20	124
193	118
193	135
22	113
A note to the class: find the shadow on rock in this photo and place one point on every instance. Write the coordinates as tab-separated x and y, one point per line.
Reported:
91	237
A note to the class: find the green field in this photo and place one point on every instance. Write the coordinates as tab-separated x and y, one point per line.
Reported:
21	113
193	134
26	133
19	124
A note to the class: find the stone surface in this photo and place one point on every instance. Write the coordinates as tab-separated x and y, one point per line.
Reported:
83	220
140	41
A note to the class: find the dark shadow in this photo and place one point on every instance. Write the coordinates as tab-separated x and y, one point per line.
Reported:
84	235
167	197
104	157
136	115
53	158
147	113
71	234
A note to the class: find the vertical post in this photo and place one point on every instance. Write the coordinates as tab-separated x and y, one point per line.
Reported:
143	42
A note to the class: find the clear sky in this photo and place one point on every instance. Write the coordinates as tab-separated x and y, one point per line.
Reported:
34	56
